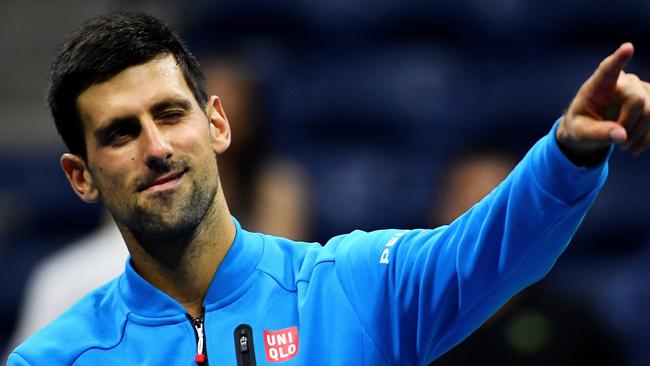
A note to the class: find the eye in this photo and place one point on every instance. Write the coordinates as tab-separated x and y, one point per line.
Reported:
122	132
172	116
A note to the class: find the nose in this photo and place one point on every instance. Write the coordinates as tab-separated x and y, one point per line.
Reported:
156	149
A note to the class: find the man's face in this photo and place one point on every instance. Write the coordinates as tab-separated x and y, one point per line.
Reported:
151	149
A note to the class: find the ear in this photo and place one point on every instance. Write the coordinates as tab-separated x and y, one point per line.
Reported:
78	175
219	126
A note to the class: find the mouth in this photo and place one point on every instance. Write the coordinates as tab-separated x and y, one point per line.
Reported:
163	183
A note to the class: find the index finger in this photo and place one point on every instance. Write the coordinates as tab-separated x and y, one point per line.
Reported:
603	82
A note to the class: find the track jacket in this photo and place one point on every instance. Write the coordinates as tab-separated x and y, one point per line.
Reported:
388	297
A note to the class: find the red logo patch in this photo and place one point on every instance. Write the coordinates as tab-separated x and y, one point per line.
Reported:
281	345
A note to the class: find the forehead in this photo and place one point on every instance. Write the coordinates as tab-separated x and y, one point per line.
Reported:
132	91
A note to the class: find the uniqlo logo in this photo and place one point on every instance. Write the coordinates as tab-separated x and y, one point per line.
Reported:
281	345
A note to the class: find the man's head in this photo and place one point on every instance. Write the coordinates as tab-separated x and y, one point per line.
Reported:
129	101
99	49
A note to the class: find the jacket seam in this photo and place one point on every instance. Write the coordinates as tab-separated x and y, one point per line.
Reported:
277	281
15	353
328	260
356	315
122	333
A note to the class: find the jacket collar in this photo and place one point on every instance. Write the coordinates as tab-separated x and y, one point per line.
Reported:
146	300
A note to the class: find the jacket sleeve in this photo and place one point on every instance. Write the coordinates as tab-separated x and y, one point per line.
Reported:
418	293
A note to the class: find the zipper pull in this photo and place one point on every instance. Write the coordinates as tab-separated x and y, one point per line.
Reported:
200	342
244	346
243	343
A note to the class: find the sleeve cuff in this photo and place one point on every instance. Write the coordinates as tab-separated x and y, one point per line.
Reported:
561	177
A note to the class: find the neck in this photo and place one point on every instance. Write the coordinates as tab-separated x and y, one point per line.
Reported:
183	267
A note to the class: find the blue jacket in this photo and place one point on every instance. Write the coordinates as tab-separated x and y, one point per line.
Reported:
388	297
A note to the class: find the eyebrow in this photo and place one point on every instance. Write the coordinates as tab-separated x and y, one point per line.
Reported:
166	104
156	109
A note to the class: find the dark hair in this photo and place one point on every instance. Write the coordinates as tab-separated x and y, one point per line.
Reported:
101	48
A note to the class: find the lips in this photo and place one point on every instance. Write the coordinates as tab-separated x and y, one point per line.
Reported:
164	182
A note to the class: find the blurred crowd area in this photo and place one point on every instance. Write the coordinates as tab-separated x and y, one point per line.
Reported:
355	114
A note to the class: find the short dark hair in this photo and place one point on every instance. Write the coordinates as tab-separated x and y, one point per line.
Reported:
101	48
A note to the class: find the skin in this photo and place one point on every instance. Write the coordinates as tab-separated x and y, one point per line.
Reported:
611	107
179	231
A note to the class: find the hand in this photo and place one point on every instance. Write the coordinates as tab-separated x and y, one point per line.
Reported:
611	107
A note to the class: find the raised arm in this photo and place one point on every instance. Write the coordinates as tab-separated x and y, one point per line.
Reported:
418	293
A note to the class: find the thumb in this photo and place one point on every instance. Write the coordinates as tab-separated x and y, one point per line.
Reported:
602	83
600	131
617	133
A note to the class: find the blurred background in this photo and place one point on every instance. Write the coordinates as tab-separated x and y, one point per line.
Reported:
354	114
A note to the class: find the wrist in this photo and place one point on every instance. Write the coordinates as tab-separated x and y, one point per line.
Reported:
580	153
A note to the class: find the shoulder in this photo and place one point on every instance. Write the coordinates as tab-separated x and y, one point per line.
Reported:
289	262
282	258
96	321
363	247
301	258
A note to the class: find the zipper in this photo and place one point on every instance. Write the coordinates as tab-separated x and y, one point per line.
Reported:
244	345
201	357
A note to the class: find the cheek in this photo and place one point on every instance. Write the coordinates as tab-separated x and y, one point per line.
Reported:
196	141
111	178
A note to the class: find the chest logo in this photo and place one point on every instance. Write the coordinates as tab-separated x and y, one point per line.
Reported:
281	345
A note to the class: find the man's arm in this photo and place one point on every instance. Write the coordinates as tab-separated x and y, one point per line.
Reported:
418	293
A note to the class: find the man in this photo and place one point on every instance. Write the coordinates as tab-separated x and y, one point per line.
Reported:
128	100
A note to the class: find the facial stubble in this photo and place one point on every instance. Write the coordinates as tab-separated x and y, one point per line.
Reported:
165	223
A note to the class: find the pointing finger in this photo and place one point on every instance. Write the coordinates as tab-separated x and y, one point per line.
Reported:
602	83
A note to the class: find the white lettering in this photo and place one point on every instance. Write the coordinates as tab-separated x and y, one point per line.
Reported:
270	340
384	256
273	353
391	242
282	339
292	349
